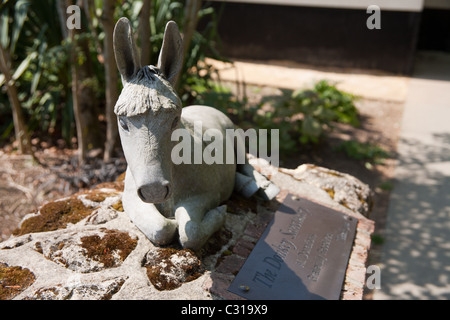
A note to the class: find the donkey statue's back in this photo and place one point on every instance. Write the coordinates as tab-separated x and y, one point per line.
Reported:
162	198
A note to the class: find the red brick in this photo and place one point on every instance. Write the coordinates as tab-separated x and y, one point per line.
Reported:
254	230
231	265
366	225
359	255
351	295
363	239
219	285
243	248
356	273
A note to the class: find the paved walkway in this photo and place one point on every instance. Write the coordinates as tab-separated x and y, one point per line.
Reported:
292	76
416	253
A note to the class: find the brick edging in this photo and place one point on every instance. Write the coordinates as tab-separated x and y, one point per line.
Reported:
230	265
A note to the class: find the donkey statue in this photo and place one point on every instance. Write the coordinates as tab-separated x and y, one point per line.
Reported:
162	198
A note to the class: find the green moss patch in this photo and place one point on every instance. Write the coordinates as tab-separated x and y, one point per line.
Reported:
169	268
97	197
14	280
118	185
121	177
118	206
330	192
55	215
106	249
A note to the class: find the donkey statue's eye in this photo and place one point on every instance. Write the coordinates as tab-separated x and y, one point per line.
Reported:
175	122
123	124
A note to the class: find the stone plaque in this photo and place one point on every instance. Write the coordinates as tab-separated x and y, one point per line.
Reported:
302	254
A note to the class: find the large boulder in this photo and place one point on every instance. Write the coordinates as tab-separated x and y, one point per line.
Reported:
85	246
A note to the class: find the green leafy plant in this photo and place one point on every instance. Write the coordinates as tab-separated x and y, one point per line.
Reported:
12	19
387	185
41	65
305	116
302	116
377	239
319	108
41	76
210	93
363	151
195	79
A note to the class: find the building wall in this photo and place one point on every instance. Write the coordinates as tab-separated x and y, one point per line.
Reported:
322	36
435	29
333	36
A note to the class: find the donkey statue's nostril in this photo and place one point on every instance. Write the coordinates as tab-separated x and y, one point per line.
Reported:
141	195
154	192
167	192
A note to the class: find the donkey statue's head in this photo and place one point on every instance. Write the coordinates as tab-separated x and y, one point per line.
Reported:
148	110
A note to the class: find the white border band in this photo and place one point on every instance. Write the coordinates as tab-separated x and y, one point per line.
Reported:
389	5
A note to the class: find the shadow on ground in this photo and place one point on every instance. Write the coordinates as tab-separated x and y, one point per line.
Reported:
416	254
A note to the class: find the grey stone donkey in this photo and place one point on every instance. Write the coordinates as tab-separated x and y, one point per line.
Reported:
160	197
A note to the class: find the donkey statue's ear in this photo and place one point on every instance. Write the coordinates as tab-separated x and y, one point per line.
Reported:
127	57
171	55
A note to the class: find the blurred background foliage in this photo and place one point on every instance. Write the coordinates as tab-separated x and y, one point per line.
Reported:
35	40
43	57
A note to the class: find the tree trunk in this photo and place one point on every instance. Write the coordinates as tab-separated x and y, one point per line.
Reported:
111	79
81	138
21	133
83	95
190	24
144	32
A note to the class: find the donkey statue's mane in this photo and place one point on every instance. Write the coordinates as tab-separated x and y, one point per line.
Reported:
147	90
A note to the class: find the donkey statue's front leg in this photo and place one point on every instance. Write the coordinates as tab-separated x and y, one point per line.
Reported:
146	217
196	223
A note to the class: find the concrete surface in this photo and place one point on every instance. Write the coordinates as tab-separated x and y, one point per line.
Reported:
293	76
416	253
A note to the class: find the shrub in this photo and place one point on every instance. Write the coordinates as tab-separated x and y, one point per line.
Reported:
318	109
363	151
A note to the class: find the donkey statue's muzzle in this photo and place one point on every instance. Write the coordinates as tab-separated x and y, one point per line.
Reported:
155	192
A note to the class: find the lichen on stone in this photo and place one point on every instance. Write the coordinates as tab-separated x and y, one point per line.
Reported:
15	242
102	215
89	251
79	291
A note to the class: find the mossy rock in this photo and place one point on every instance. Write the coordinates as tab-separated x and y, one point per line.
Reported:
54	215
118	184
169	268
14	280
118	206
99	196
89	251
102	248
